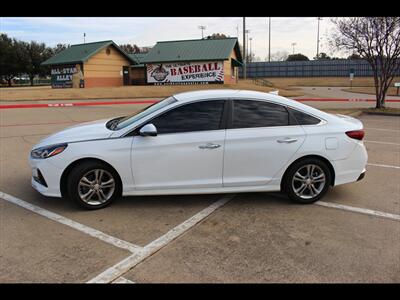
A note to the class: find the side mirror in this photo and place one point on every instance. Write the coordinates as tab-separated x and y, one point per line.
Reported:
148	130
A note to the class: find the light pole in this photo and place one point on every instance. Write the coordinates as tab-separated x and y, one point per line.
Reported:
250	39
293	44
247	43
202	28
84	36
269	40
244	48
319	19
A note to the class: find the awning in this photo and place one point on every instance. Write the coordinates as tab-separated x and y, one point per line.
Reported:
137	66
236	63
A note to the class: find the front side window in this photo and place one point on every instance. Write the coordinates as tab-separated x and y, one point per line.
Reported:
199	116
128	120
249	114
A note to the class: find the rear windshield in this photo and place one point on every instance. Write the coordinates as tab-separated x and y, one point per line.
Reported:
128	120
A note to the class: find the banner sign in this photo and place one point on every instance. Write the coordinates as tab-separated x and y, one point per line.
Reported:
186	73
61	77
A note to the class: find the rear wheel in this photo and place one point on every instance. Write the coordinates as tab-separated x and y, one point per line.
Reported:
93	185
307	180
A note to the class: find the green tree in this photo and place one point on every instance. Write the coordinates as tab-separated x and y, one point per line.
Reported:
354	56
322	56
58	48
31	56
297	57
9	65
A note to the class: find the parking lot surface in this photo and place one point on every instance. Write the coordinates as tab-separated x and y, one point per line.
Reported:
250	237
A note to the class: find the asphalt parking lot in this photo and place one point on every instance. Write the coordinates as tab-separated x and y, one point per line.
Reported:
352	235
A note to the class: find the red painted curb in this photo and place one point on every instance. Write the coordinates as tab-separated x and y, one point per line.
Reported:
44	105
341	100
39	105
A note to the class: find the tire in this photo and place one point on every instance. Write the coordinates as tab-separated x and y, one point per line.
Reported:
93	185
302	188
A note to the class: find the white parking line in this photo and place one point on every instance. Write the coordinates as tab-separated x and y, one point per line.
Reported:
122	280
384	166
378	142
359	210
80	227
126	264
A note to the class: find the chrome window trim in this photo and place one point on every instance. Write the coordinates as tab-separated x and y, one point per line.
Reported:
176	106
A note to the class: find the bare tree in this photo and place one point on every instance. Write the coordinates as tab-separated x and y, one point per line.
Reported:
215	36
130	48
375	39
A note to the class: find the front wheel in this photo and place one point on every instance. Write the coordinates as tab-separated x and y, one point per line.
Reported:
307	181
93	185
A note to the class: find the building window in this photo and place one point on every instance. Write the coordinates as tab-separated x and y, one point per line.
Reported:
108	51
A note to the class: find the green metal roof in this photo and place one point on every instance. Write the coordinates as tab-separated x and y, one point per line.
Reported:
82	52
138	57
193	50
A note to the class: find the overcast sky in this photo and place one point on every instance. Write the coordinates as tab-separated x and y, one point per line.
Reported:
146	31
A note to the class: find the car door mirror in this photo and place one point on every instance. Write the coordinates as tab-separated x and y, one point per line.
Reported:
148	130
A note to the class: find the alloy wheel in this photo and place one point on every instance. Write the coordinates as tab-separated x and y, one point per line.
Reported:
96	187
308	181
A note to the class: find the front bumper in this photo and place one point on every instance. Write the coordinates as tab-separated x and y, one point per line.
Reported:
51	176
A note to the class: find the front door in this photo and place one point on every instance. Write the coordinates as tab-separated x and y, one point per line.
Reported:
188	151
125	71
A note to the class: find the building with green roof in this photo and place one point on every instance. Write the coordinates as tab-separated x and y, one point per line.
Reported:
193	61
169	62
95	64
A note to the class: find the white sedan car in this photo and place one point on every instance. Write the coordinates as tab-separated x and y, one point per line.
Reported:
214	141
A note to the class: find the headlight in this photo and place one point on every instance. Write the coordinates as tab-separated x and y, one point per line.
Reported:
48	151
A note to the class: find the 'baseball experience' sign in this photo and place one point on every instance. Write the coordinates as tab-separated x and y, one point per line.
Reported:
186	73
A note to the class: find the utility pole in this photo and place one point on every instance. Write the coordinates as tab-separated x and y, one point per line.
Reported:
319	19
84	36
293	44
244	48
269	40
237	31
202	28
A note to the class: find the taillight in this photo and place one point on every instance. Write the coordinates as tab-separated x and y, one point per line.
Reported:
356	134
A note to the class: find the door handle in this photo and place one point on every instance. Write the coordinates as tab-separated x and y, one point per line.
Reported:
287	140
209	146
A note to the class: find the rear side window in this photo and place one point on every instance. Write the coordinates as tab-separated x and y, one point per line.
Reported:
199	116
303	118
249	114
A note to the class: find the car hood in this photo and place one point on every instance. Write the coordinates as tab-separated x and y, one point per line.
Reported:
81	132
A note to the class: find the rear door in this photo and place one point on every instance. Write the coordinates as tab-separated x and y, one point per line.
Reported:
261	139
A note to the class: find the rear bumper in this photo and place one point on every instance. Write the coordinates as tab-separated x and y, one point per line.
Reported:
353	168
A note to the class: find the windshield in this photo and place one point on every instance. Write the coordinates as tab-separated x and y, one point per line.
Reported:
128	120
